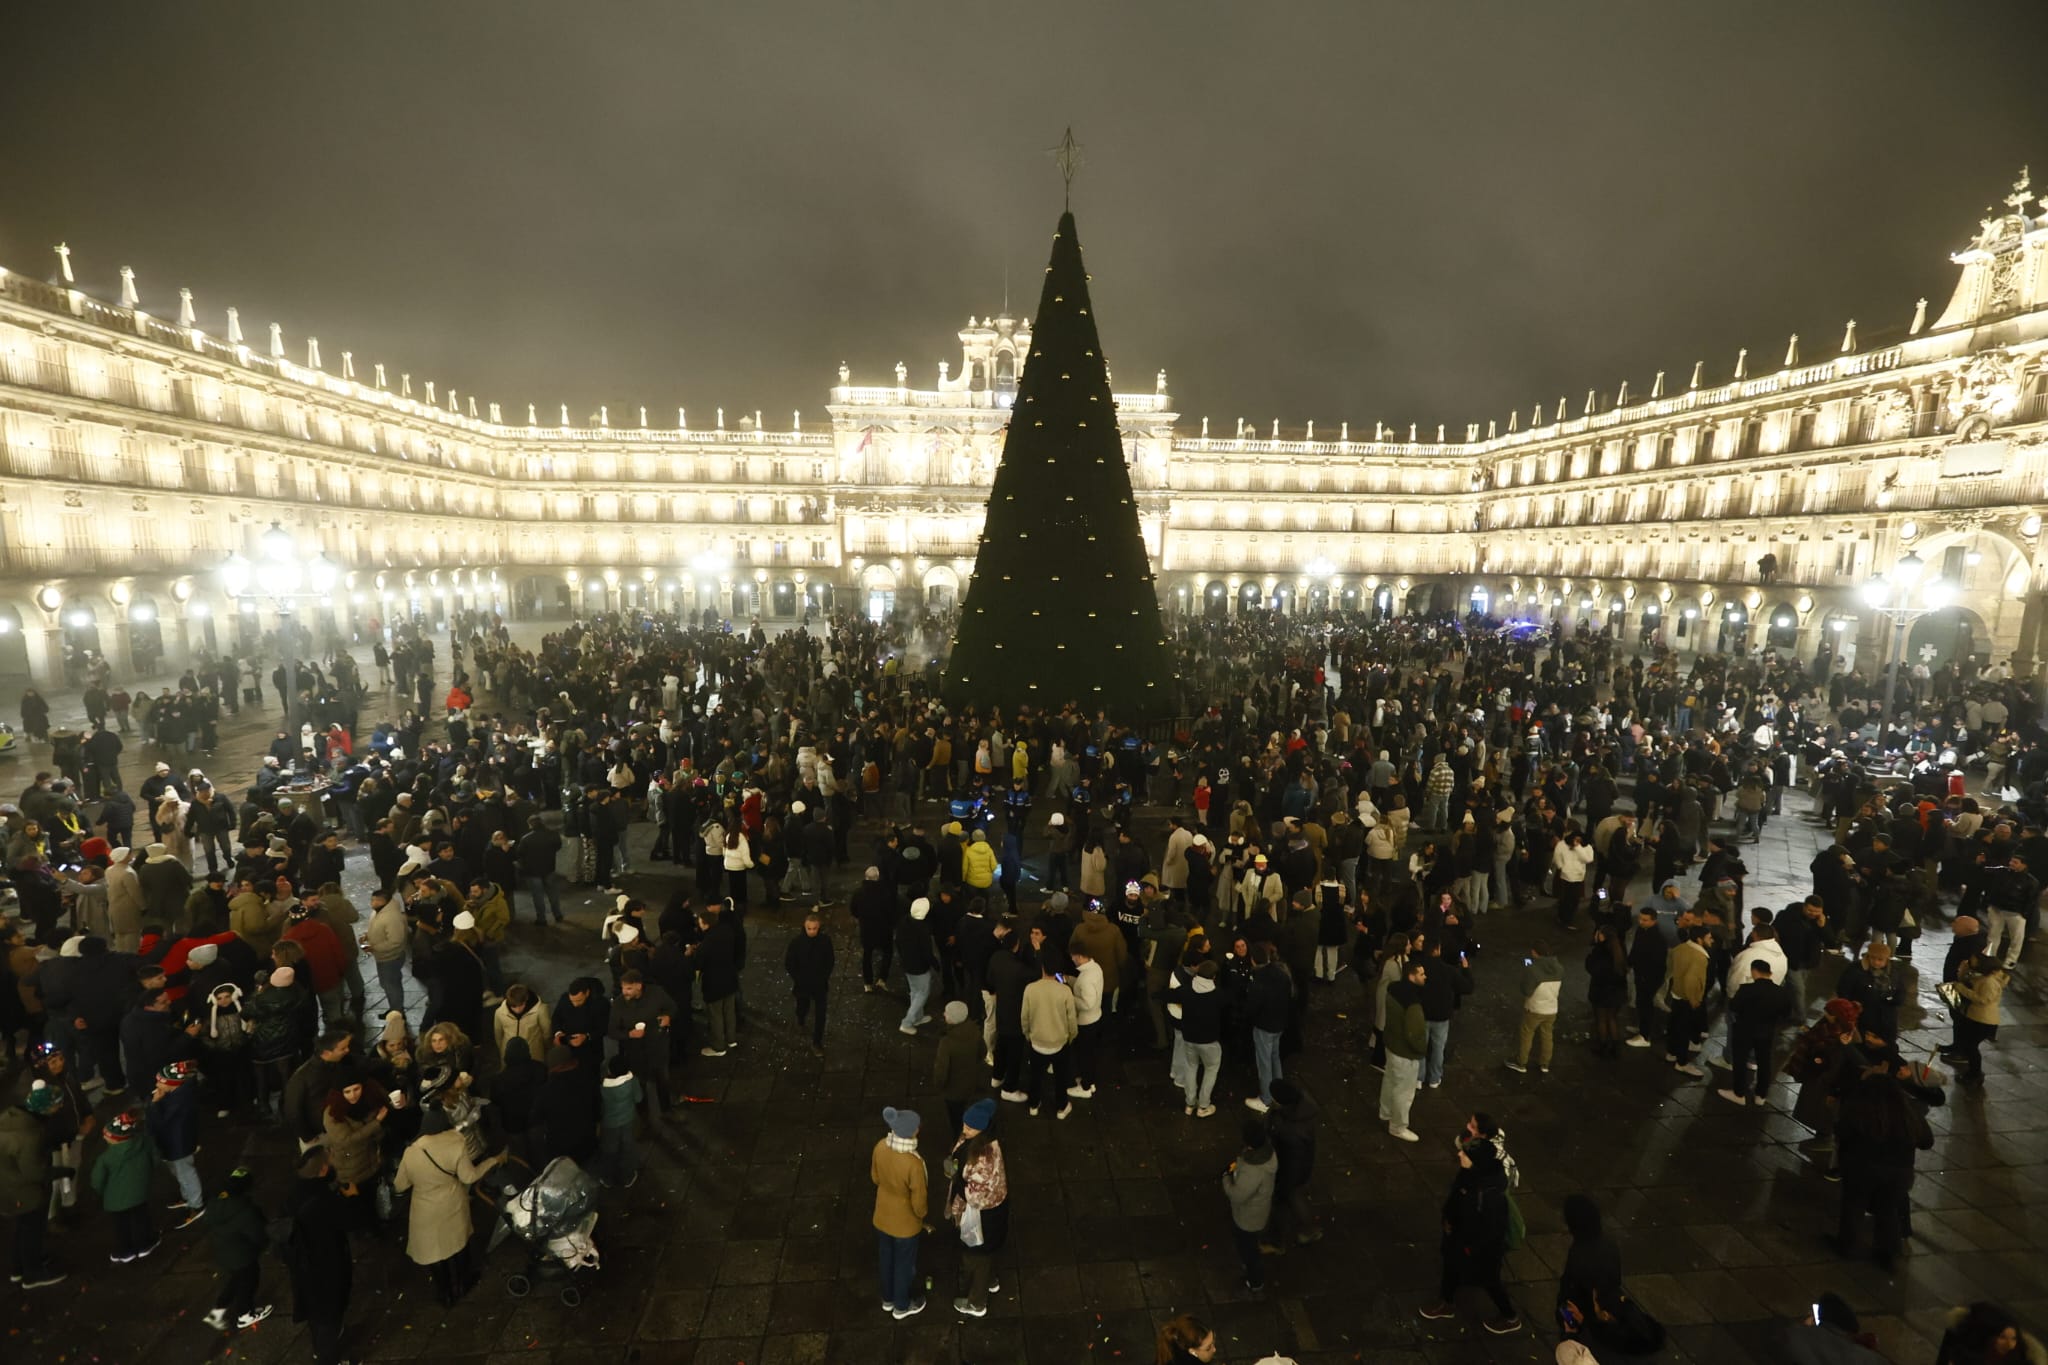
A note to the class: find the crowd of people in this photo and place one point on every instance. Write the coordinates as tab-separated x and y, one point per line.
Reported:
1051	893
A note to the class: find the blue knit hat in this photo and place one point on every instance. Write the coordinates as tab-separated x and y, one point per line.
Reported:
904	1123
980	1115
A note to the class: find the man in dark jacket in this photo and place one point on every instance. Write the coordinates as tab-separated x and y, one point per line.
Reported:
875	910
105	988
151	1035
716	956
305	1094
958	1069
642	1014
537	852
1759	1009
1008	974
1292	1124
808	960
239	1233
317	1254
1648	953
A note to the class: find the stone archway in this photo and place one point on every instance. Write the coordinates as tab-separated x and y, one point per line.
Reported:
1955	635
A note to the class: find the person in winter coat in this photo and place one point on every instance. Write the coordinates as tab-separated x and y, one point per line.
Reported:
522	1014
808	961
316	1254
958	1069
120	1176
1292	1123
641	1016
977	1201
25	1175
1985	1334
326	959
567	1113
437	1170
238	1233
174	1127
1606	990
1248	1184
279	1031
717	956
1475	1230
164	883
1979	988
874	909
352	1127
582	1020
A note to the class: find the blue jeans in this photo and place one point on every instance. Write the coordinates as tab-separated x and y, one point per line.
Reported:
1436	810
920	992
1266	1053
391	976
1433	1064
898	1266
1348	870
545	899
186	1169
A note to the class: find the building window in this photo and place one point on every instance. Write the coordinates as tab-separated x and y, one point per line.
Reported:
1955	564
1802	431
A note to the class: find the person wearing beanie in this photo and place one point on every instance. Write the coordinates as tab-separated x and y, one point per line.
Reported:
25	1175
977	1201
958	1070
239	1235
174	1127
279	1019
305	1094
326	959
718	955
918	955
900	1180
120	1177
1248	1185
808	961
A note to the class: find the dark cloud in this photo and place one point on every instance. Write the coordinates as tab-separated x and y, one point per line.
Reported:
1407	212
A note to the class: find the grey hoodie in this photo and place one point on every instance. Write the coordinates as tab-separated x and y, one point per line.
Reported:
1249	1184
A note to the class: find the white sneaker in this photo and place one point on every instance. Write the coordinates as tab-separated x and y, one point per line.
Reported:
1014	1096
1255	1104
1080	1092
1405	1134
252	1317
1637	1041
217	1319
906	1028
1516	1066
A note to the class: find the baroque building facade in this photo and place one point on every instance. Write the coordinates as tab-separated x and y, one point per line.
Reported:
139	453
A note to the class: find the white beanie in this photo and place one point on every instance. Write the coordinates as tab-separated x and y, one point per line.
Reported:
920	907
72	946
203	955
465	920
797	808
1055	820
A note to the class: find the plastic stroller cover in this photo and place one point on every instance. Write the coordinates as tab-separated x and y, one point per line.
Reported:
554	1204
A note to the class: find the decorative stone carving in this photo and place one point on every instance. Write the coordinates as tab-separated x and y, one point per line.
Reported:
1986	385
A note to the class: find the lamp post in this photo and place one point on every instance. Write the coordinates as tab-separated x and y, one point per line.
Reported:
285	576
1903	597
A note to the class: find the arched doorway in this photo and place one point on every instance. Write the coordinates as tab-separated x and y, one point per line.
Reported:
1782	627
1952	635
1215	601
1247	598
1733	637
145	636
1283	599
81	641
14	672
941	588
878	592
1382	602
782	598
1481	600
1650	622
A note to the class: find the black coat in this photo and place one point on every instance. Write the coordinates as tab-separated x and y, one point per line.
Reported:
317	1253
717	960
567	1113
808	961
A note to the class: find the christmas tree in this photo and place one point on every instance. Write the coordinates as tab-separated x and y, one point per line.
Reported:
1061	607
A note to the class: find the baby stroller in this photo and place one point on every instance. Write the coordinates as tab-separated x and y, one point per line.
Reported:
553	1215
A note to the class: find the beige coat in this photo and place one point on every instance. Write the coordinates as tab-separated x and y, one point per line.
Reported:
438	1171
534	1026
124	904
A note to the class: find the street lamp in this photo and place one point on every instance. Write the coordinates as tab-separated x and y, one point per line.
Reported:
1894	597
286	575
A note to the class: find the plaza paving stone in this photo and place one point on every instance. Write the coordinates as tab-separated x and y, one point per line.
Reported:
748	1237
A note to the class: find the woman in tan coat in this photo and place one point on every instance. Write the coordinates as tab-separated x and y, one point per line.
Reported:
438	1171
354	1125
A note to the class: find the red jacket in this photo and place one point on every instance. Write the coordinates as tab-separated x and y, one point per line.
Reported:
325	958
458	700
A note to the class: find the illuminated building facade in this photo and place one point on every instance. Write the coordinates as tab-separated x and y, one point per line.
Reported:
139	453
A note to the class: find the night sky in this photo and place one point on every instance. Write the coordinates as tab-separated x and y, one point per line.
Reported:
1403	212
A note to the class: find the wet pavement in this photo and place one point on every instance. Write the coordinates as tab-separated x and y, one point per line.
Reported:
748	1238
